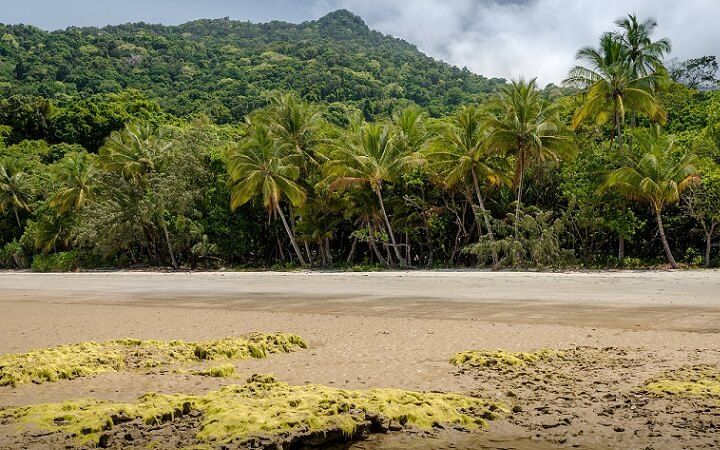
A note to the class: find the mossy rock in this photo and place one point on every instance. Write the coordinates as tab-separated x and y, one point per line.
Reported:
93	358
265	407
502	359
701	381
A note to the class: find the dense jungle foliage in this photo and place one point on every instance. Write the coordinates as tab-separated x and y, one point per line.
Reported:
223	143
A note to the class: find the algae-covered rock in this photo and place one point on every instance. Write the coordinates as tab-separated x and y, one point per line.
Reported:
691	381
501	358
92	358
266	411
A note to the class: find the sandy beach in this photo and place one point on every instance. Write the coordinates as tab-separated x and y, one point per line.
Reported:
388	329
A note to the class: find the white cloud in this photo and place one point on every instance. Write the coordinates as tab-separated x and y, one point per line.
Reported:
530	37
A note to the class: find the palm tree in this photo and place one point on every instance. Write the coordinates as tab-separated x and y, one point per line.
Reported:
15	188
260	165
644	55
460	154
526	126
296	123
370	157
76	175
612	87
656	177
135	152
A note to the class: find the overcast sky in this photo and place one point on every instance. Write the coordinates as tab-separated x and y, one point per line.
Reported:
503	38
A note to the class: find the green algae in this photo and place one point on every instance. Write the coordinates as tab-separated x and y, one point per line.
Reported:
93	358
502	359
264	406
701	381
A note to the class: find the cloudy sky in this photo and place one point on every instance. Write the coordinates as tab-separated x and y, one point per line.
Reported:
504	38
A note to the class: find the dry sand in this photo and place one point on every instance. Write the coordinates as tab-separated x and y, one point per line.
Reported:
389	329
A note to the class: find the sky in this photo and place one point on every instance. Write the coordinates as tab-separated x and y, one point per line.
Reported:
495	38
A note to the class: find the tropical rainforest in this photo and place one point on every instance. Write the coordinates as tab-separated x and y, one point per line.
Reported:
220	143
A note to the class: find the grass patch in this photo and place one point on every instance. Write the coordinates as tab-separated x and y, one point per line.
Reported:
693	381
500	358
264	406
91	358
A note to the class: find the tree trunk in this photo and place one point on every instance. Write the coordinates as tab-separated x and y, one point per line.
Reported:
408	256
307	250
619	131
17	217
169	246
329	253
373	246
486	217
666	246
351	255
390	231
708	243
621	248
290	234
519	196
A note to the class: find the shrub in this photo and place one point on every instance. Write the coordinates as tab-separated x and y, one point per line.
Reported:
56	262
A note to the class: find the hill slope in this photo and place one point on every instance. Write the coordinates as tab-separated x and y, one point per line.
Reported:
225	68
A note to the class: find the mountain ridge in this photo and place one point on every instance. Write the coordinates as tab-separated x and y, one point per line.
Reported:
225	68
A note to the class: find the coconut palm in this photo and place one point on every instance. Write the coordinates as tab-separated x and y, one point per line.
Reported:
15	188
523	124
296	123
75	174
612	87
461	155
370	157
136	152
644	55
261	166
655	177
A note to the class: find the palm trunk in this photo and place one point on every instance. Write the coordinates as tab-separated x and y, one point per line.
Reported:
169	246
17	217
373	246
327	250
290	234
519	196
307	250
666	246
390	231
485	217
352	251
621	248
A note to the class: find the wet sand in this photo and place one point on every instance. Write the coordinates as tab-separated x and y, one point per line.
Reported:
389	329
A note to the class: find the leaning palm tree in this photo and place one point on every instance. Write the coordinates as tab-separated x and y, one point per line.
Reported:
612	88
460	154
261	166
523	124
75	174
370	157
656	177
15	188
644	55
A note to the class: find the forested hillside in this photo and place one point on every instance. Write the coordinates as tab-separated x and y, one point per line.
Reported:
221	143
227	68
